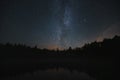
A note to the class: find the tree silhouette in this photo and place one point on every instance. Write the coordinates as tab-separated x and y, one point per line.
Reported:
98	59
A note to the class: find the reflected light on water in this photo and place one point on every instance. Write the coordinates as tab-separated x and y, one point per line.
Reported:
54	74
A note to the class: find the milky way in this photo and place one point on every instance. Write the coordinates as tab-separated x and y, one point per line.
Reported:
58	23
63	13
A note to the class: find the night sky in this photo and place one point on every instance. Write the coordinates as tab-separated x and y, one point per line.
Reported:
58	23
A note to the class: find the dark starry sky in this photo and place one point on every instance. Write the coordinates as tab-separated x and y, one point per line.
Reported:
58	23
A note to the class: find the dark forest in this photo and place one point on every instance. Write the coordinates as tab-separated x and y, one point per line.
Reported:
98	59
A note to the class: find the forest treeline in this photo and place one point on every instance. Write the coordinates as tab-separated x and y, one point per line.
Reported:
98	59
108	47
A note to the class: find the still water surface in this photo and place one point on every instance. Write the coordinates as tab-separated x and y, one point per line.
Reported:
53	74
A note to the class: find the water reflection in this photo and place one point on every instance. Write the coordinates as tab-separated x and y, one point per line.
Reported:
53	74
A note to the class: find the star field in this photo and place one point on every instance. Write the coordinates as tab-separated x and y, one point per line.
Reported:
58	23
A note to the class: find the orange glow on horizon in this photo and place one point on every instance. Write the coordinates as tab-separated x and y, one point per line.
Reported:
54	47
